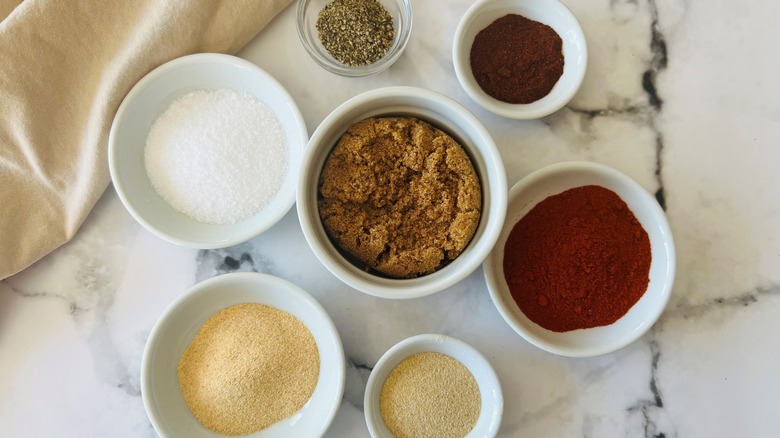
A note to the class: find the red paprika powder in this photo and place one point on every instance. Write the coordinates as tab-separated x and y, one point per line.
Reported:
577	260
517	60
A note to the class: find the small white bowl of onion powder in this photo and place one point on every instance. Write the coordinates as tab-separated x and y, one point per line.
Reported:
243	354
433	386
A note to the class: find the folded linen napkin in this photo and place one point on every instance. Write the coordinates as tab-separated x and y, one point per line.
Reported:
66	66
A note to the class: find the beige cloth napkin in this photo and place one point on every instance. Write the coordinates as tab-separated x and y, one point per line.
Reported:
65	67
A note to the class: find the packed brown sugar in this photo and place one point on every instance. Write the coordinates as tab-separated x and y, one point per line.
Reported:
400	196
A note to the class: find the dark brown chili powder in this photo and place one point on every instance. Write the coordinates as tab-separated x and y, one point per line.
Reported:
517	60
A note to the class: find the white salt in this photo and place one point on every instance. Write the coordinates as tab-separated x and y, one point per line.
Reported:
218	156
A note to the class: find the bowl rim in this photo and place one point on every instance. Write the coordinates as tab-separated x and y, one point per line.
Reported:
404	288
514	111
491	271
208	286
155	74
433	343
382	64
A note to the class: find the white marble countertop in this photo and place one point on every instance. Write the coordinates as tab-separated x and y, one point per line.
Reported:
681	95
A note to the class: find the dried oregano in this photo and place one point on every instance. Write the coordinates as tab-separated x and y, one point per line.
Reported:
356	32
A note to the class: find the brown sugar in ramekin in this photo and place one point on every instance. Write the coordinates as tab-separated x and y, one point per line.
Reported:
400	196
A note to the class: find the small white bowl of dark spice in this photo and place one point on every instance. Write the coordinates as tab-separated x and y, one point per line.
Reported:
434	386
204	151
521	59
354	37
243	354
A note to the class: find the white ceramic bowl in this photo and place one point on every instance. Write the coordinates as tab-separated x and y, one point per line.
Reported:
150	97
447	115
489	387
178	325
555	179
307	14
550	12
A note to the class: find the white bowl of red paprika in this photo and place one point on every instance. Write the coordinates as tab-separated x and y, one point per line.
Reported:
585	262
521	59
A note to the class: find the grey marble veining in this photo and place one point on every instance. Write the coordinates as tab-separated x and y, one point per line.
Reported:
681	96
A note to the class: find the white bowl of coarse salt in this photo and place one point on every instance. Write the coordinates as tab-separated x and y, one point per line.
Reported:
205	150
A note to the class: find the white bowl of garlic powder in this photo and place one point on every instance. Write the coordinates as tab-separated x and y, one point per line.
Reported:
205	150
181	324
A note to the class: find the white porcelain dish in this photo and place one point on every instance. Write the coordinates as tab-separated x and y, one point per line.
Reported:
555	179
150	97
489	387
307	14
178	325
550	12
441	112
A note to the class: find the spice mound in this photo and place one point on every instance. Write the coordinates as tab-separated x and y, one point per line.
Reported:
517	60
577	260
400	196
430	395
249	366
356	32
218	156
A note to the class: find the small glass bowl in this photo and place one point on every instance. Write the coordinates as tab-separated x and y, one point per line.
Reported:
308	12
